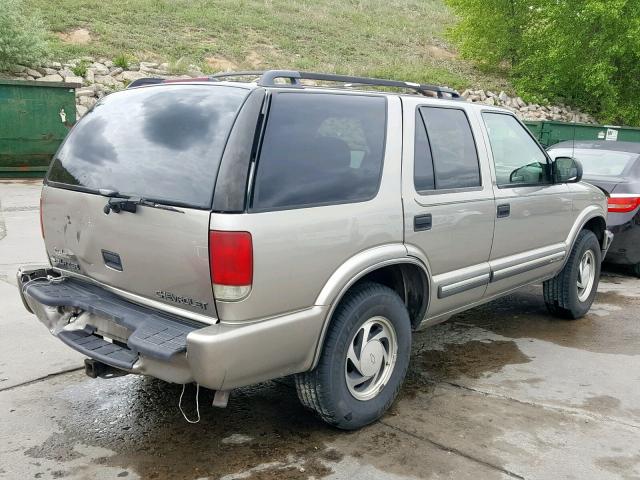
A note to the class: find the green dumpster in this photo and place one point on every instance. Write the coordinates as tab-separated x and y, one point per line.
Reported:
550	132
535	127
34	119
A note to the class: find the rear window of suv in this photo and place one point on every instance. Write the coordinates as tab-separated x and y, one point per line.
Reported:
162	143
320	149
598	162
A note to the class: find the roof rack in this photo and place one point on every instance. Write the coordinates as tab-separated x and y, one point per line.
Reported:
268	78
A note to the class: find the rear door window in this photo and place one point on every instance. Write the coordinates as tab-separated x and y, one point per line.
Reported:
320	149
445	151
423	174
163	143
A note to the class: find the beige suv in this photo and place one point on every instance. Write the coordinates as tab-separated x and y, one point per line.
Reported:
228	232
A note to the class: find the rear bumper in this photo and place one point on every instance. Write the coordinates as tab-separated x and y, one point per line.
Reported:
625	247
606	242
146	341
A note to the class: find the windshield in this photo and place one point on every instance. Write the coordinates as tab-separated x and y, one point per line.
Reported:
161	143
598	162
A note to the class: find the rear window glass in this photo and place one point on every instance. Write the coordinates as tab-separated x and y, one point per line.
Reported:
161	143
320	149
598	162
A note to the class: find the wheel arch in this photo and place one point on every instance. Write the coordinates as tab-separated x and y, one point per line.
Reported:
406	275
591	218
597	225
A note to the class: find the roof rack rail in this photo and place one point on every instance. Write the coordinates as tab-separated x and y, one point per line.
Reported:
267	78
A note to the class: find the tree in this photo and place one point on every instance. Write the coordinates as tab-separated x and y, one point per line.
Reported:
584	52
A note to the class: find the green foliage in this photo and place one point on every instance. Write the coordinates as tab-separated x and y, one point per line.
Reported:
490	31
23	37
80	69
584	52
121	61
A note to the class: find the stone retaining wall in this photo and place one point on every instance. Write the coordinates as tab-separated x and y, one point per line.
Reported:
101	76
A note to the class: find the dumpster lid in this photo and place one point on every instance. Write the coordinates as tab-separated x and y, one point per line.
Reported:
33	83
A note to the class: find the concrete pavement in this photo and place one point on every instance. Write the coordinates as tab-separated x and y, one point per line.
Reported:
28	352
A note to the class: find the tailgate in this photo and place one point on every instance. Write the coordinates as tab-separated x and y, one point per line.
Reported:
156	254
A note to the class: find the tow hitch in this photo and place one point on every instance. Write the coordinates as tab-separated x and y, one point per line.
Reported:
95	369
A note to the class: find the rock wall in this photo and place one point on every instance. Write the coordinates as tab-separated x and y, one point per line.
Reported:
528	111
101	76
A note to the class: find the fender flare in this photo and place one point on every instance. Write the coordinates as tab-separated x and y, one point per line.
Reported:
585	216
353	270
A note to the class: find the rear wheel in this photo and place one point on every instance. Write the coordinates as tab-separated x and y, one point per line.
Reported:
571	293
364	359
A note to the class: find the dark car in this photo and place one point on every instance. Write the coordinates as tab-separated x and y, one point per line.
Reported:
614	167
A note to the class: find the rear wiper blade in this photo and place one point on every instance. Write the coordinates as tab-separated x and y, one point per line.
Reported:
107	192
161	206
118	203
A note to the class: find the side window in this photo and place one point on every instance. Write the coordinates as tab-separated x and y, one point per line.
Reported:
320	149
423	177
446	155
517	158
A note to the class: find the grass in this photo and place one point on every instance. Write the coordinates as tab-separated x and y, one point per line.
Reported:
80	69
384	38
121	61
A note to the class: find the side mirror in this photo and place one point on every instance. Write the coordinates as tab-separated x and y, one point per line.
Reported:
567	170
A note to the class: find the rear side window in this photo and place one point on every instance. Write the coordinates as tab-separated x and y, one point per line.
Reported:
162	143
320	149
423	175
445	153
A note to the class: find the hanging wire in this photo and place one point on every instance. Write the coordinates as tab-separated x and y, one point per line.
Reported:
184	385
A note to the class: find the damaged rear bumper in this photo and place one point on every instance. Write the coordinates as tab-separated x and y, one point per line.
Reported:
606	242
139	339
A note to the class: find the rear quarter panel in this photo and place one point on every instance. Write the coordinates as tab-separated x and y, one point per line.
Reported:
297	251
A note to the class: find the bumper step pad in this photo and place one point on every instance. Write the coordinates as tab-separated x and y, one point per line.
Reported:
85	342
153	333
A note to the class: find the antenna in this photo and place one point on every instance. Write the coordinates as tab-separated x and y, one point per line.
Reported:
573	143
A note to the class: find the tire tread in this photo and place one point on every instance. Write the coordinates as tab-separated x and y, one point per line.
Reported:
311	386
557	290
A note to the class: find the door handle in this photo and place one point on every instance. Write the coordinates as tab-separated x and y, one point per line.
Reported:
504	210
422	222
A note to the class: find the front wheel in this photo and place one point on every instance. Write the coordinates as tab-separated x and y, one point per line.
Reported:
571	293
364	359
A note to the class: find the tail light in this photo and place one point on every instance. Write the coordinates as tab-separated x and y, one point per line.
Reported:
231	263
623	203
41	223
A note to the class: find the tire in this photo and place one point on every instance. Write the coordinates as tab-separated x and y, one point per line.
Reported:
636	270
325	389
562	294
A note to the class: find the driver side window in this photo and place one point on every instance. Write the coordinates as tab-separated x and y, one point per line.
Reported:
518	159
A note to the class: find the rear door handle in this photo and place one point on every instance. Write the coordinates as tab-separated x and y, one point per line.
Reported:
422	222
504	210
